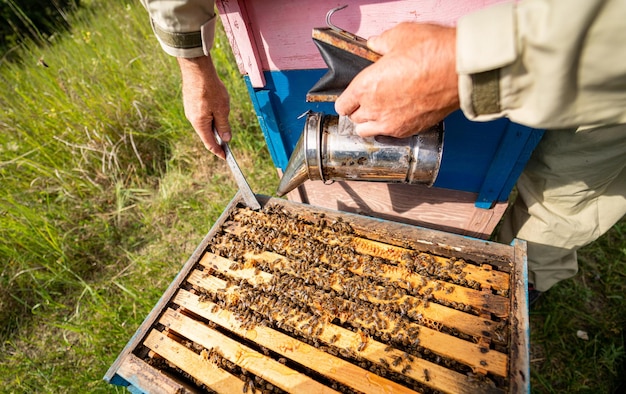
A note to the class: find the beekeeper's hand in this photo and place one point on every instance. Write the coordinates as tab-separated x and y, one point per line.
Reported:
206	101
411	87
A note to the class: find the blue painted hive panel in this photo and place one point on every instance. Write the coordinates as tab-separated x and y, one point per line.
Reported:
480	157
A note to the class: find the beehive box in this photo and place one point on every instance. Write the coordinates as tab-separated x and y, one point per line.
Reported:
298	299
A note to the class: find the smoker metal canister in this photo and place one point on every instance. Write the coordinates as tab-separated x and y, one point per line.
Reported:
330	150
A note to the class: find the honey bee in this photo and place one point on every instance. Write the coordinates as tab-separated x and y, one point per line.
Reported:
406	368
204	298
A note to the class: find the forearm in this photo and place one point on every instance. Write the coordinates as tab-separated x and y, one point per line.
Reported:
184	28
546	64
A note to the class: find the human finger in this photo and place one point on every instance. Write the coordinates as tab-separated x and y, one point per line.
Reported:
390	38
222	125
367	129
360	116
347	102
205	131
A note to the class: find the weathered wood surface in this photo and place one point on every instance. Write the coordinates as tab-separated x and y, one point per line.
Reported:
439	343
485	275
194	364
419	238
446	210
216	277
347	373
276	34
140	374
243	356
520	338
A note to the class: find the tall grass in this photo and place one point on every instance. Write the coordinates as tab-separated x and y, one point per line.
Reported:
105	191
73	131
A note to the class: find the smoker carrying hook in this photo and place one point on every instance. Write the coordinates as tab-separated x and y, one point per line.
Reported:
345	53
339	30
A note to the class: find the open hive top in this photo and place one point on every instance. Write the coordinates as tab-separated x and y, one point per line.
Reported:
286	300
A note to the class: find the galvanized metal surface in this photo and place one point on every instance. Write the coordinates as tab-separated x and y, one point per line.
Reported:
330	150
244	188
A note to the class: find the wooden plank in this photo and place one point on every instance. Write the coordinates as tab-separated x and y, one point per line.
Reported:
421	284
487	277
400	234
240	30
194	364
511	145
440	378
169	292
484	274
330	366
435	313
522	159
265	367
446	210
519	374
447	346
144	377
267	117
284	27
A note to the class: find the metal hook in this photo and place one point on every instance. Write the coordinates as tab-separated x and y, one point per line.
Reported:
306	113
329	23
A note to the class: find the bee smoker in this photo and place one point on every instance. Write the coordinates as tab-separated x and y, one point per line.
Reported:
329	150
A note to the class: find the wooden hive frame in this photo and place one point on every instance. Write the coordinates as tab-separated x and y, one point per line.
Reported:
295	298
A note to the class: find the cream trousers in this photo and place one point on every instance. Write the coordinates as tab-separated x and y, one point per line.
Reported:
572	191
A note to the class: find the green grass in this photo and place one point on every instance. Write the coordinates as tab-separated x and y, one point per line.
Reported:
593	302
106	191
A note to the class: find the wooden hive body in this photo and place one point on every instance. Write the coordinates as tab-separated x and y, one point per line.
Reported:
300	299
271	41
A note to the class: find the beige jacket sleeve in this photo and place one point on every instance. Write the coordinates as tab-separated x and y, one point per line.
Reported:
184	28
545	64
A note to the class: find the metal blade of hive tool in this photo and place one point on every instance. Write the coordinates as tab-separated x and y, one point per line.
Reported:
244	188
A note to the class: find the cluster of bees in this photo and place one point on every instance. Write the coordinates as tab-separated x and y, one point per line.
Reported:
252	383
314	284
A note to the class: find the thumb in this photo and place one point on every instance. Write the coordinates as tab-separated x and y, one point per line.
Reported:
377	44
221	124
382	43
347	102
367	129
390	38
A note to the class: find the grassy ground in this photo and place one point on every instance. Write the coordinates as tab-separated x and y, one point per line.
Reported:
594	302
106	191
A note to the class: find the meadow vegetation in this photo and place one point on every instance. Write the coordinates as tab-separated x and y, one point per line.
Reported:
106	191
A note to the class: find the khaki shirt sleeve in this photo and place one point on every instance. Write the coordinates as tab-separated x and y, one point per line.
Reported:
545	64
184	28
